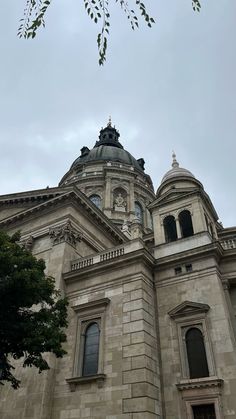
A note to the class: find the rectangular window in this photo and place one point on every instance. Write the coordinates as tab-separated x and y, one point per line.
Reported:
89	345
189	267
178	270
204	411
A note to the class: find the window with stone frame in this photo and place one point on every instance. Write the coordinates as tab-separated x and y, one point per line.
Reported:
204	411
207	408
199	387
194	343
91	340
89	344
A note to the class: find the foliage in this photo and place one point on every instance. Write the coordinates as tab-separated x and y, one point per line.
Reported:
98	11
32	316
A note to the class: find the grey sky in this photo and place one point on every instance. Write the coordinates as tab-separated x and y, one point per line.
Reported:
170	87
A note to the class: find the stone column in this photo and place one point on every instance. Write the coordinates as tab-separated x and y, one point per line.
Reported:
178	229
107	197
226	287
131	200
64	239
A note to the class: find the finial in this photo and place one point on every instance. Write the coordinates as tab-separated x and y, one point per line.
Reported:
109	122
174	162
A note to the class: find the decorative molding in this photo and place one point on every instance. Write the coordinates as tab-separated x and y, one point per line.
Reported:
199	383
28	243
74	381
188	308
76	196
91	305
119	199
65	233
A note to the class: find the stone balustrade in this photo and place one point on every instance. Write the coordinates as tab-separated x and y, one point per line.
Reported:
228	243
107	255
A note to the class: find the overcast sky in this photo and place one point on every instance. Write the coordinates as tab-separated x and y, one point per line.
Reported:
169	87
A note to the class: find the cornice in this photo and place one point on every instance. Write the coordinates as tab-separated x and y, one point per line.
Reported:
32	196
180	194
141	255
211	249
93	304
73	195
172	195
200	383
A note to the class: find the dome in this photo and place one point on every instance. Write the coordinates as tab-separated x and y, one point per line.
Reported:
176	171
107	153
108	148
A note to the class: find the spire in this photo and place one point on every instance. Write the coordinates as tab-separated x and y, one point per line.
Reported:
174	162
109	122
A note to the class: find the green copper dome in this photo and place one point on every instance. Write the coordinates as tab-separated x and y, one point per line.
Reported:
108	148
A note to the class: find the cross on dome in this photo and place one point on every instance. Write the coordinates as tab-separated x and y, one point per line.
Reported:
109	122
174	162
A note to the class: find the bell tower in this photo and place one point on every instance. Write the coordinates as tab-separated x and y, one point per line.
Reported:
183	214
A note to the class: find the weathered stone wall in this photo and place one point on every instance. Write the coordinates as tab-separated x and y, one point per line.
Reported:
130	355
203	287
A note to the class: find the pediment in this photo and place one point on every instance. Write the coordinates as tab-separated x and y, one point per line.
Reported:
12	204
172	195
188	308
63	197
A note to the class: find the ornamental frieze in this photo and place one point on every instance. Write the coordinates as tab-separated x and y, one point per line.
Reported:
65	233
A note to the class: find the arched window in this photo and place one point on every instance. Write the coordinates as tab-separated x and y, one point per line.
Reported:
185	221
96	200
170	228
196	353
138	212
91	350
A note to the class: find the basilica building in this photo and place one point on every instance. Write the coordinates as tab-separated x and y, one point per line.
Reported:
151	281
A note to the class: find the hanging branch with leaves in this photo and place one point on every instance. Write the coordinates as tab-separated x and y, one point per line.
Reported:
98	11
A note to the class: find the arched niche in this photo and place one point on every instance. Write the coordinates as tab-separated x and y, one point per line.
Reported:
120	199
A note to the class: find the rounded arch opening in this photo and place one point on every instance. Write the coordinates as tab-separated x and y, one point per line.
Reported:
196	353
185	222
170	228
91	350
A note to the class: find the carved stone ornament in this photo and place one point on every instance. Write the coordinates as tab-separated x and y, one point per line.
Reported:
120	201
65	233
28	243
125	227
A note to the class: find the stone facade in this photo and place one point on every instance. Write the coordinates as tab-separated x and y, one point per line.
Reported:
145	269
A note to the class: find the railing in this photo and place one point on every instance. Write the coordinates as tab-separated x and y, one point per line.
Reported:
81	264
107	255
228	244
112	254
